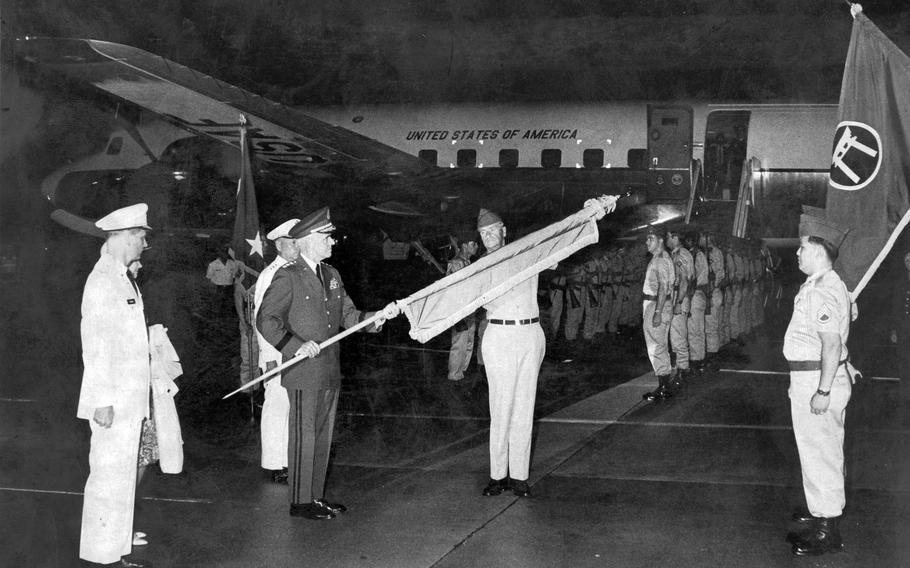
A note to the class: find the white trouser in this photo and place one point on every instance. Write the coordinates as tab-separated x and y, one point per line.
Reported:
513	355
656	337
110	491
274	425
820	441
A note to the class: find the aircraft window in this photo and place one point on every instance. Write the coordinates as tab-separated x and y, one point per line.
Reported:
466	158
550	158
593	158
115	146
429	156
508	158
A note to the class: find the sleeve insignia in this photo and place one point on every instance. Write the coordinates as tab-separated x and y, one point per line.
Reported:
824	314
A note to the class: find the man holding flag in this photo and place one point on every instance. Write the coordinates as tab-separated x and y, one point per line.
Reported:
513	348
306	304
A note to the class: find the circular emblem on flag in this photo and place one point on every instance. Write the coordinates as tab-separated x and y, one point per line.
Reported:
856	157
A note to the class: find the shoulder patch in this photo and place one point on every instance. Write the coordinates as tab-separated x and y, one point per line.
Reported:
824	313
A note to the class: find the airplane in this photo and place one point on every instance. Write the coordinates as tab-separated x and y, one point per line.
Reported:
416	170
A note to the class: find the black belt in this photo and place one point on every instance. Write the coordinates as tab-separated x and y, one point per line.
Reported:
514	322
808	365
652	297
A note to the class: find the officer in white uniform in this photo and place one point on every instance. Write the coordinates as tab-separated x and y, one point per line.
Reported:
115	387
275	406
657	310
815	346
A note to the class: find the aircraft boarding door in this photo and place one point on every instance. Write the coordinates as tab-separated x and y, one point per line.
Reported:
670	151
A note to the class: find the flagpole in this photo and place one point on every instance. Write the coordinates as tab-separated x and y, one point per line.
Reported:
334	339
881	256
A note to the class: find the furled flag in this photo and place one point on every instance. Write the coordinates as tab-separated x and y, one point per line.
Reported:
439	306
247	241
870	162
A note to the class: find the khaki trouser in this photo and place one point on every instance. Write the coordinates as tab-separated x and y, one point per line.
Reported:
620	299
713	322
820	441
726	331
656	337
679	335
461	350
736	322
696	325
574	314
557	296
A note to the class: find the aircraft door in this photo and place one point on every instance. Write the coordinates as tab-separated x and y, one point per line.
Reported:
670	150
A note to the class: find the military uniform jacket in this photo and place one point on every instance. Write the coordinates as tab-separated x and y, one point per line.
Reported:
822	304
297	308
115	344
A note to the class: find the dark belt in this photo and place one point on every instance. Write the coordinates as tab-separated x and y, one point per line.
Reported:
514	322
809	365
652	297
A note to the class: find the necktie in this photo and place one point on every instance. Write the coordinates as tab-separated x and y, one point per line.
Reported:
132	279
319	274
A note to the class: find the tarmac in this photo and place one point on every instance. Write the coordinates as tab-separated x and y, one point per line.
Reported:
708	478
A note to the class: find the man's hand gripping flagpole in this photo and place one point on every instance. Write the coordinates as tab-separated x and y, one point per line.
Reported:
391	311
594	208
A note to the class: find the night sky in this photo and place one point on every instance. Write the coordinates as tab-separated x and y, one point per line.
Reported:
391	51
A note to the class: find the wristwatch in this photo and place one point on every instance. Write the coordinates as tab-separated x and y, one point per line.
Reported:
820	392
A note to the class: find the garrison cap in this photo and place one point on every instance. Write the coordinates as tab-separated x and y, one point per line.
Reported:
130	217
486	218
282	230
812	226
316	222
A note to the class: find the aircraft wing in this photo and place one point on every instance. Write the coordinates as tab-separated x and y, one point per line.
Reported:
204	105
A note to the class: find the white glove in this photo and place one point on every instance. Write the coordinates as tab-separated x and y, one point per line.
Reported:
391	311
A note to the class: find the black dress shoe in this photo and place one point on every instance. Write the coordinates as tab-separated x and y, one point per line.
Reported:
824	536
520	488
496	487
311	511
280	476
334	508
134	563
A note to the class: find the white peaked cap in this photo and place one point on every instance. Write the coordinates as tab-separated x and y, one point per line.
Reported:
282	230
130	217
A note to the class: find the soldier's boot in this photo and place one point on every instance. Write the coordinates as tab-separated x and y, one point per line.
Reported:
661	392
711	363
806	523
824	537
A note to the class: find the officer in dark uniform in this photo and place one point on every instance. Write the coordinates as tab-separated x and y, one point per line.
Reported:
305	305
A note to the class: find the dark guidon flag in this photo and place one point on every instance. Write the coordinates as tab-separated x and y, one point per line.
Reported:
870	161
247	241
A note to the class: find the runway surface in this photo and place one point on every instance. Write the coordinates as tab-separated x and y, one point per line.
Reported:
706	479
